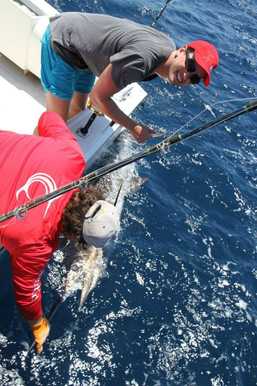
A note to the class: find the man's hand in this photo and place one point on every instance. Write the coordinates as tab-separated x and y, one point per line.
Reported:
141	133
40	330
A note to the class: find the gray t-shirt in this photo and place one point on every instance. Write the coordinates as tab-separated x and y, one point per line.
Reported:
87	40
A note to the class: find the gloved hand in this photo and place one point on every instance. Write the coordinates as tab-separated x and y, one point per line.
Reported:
40	330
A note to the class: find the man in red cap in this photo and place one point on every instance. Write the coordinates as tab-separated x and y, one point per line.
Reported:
192	63
76	47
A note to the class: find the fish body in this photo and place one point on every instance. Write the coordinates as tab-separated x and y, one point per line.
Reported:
85	271
87	267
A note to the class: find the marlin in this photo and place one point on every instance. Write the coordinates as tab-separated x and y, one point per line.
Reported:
87	267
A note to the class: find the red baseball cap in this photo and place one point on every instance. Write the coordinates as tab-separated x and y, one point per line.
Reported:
206	56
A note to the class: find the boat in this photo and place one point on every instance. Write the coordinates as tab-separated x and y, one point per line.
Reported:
22	24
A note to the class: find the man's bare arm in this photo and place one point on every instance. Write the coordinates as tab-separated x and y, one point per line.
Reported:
100	97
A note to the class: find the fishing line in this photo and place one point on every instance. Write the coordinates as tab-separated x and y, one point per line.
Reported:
209	108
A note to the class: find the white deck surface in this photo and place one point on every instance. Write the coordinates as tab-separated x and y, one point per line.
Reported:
22	102
21	98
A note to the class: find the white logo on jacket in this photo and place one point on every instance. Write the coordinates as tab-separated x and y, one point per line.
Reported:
36	289
43	178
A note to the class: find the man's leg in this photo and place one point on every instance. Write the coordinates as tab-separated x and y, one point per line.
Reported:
77	103
57	78
83	81
58	105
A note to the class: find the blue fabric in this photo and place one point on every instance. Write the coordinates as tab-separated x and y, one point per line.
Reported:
58	77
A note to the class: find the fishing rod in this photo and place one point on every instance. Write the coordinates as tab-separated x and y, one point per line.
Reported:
94	114
160	13
167	142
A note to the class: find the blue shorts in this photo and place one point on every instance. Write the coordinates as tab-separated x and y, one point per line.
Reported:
58	77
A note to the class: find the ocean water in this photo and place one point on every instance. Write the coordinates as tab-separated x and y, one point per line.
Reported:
177	305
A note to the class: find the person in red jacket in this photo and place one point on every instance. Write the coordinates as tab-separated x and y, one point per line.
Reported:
32	166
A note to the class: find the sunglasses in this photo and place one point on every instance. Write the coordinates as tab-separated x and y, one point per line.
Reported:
191	67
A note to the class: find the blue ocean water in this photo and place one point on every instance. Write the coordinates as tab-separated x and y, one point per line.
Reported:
177	305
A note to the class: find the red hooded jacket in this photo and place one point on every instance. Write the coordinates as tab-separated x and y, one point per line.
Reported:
31	166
